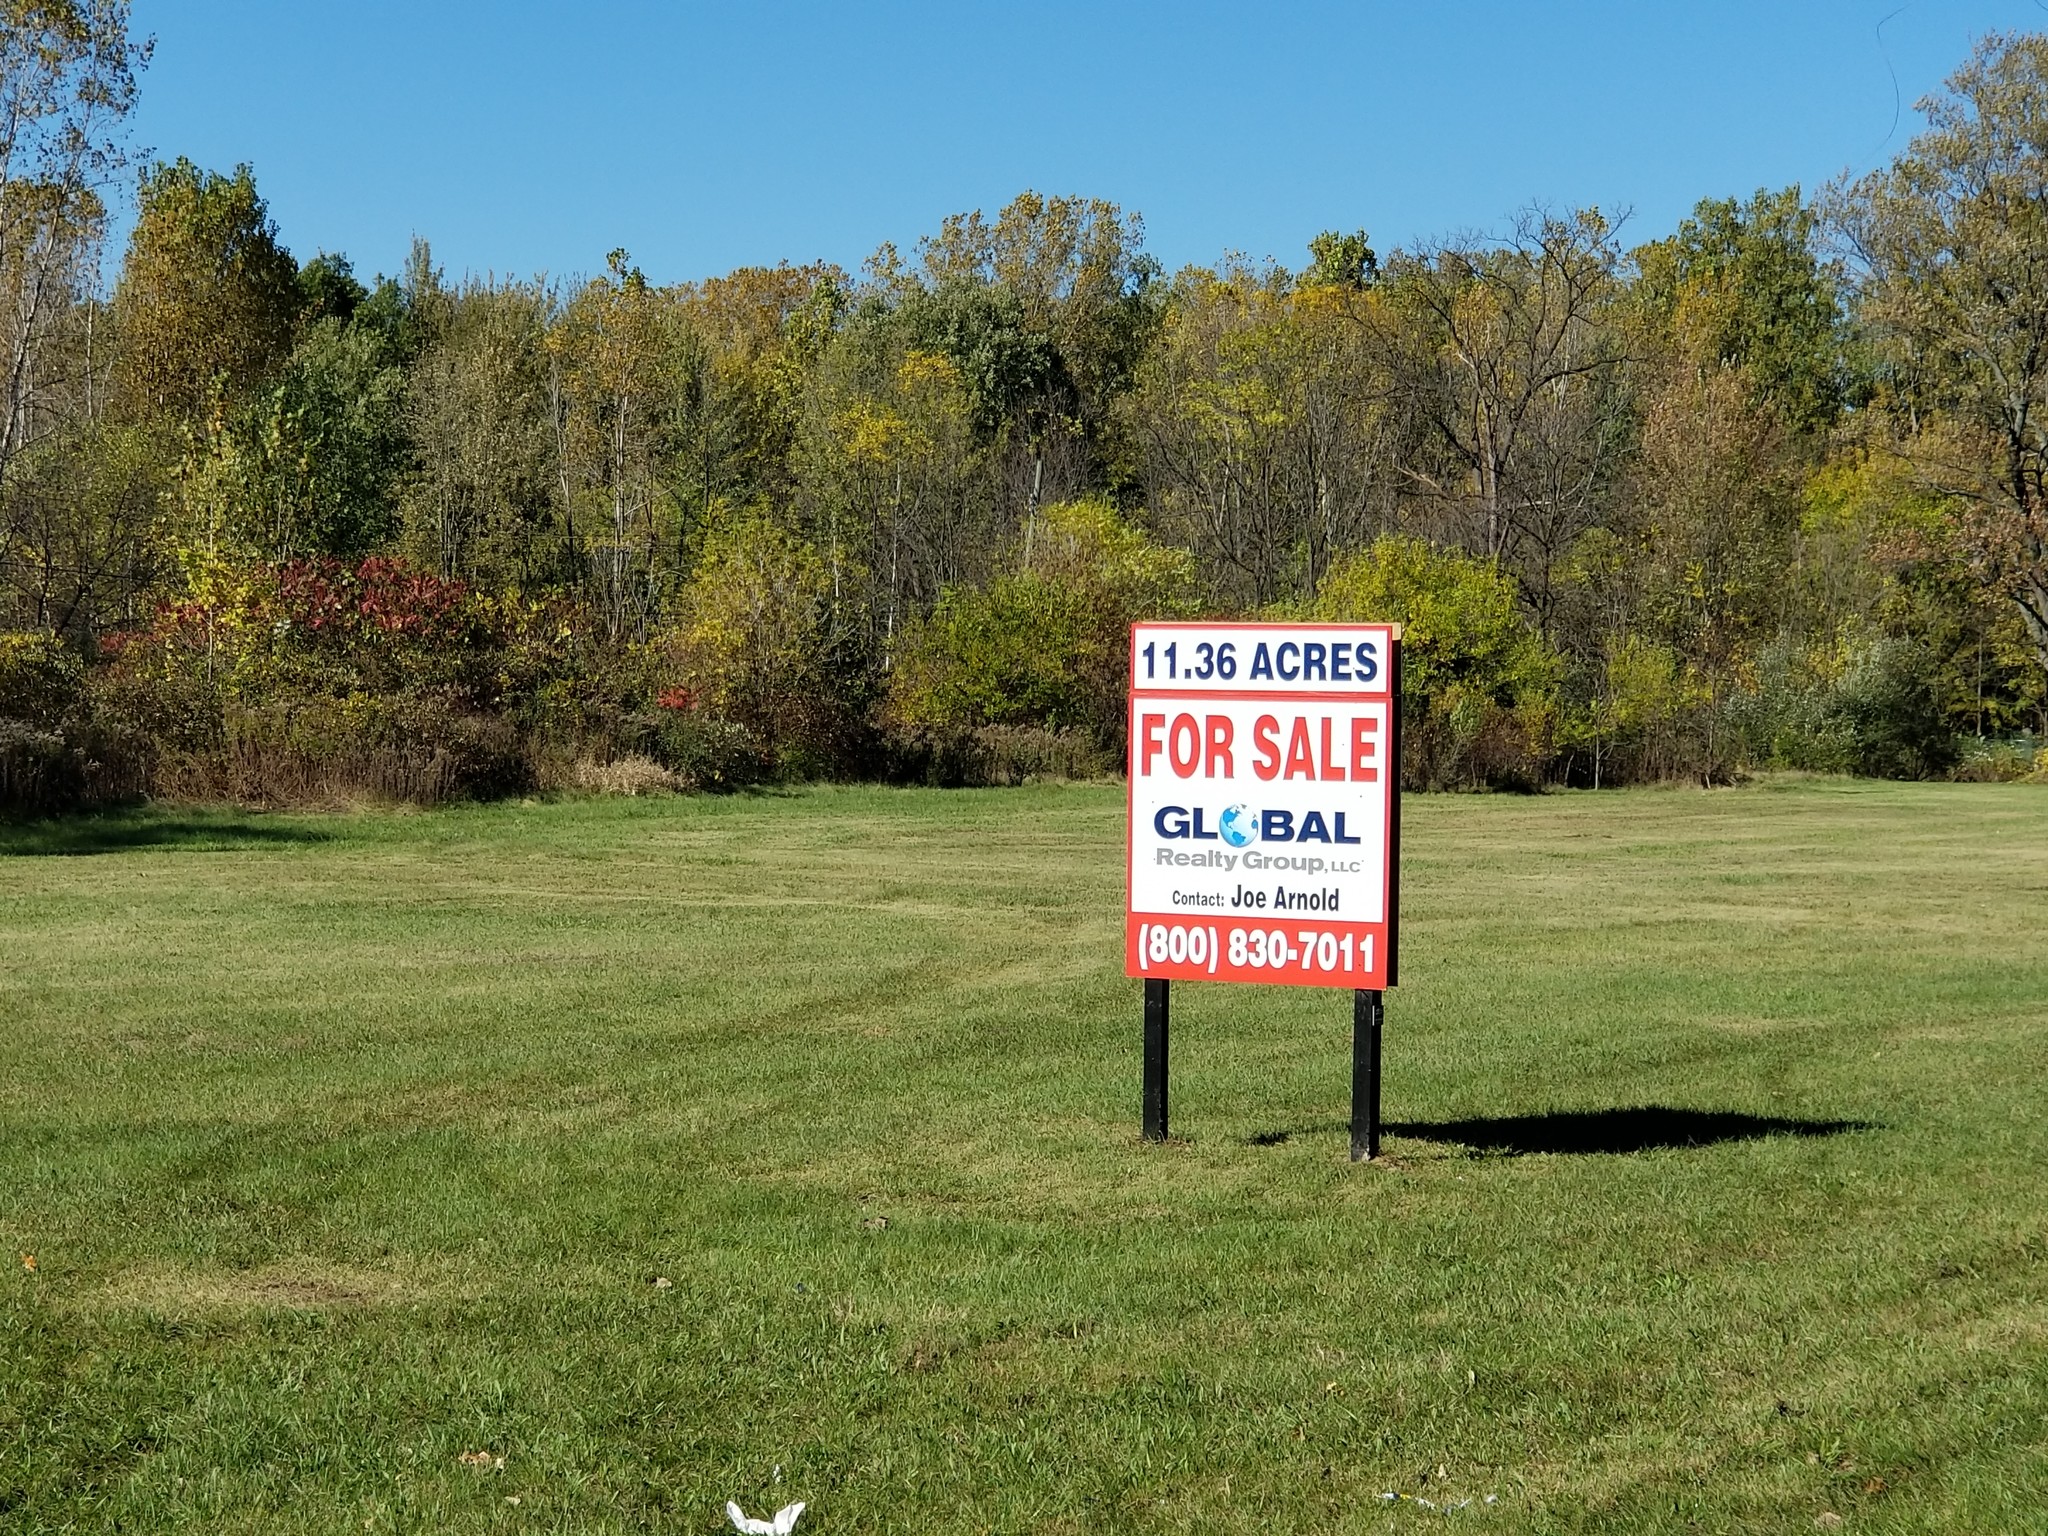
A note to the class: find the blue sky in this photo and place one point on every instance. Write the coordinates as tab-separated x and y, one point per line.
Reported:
520	137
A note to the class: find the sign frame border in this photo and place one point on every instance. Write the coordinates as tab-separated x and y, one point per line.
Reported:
1392	886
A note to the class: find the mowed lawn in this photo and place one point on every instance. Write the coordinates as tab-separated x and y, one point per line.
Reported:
785	1147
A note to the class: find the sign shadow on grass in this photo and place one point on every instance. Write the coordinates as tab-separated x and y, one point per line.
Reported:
1643	1128
117	833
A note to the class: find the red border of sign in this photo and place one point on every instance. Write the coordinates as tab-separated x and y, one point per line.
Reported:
1383	936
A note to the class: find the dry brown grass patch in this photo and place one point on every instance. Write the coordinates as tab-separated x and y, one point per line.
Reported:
300	1285
629	775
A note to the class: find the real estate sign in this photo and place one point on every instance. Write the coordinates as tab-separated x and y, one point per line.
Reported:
1263	785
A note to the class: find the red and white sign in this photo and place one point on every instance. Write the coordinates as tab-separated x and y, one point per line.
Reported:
1263	790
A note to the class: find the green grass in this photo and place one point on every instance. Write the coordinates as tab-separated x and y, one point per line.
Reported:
349	1145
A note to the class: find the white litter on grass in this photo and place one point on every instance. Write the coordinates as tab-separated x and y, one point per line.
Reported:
783	1523
1391	1497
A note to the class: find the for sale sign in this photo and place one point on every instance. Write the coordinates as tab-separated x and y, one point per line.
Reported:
1263	789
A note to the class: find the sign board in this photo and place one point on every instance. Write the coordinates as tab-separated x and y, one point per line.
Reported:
1263	786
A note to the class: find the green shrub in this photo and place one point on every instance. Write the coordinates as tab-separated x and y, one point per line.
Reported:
1010	653
41	679
39	773
1478	684
990	755
755	648
58	749
1642	713
1885	707
1047	647
707	753
1999	759
1867	706
407	748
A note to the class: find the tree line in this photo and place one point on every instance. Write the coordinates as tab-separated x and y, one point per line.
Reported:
1772	490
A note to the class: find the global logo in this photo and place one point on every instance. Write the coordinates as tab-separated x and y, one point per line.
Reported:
1238	826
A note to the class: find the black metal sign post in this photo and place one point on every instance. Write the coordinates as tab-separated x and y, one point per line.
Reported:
1368	1013
1155	1060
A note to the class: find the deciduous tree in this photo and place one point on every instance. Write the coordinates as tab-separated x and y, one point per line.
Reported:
1952	243
67	85
208	298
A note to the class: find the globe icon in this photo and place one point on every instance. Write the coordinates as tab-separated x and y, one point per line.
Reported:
1238	826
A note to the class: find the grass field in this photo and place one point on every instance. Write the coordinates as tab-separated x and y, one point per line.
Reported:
350	1146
